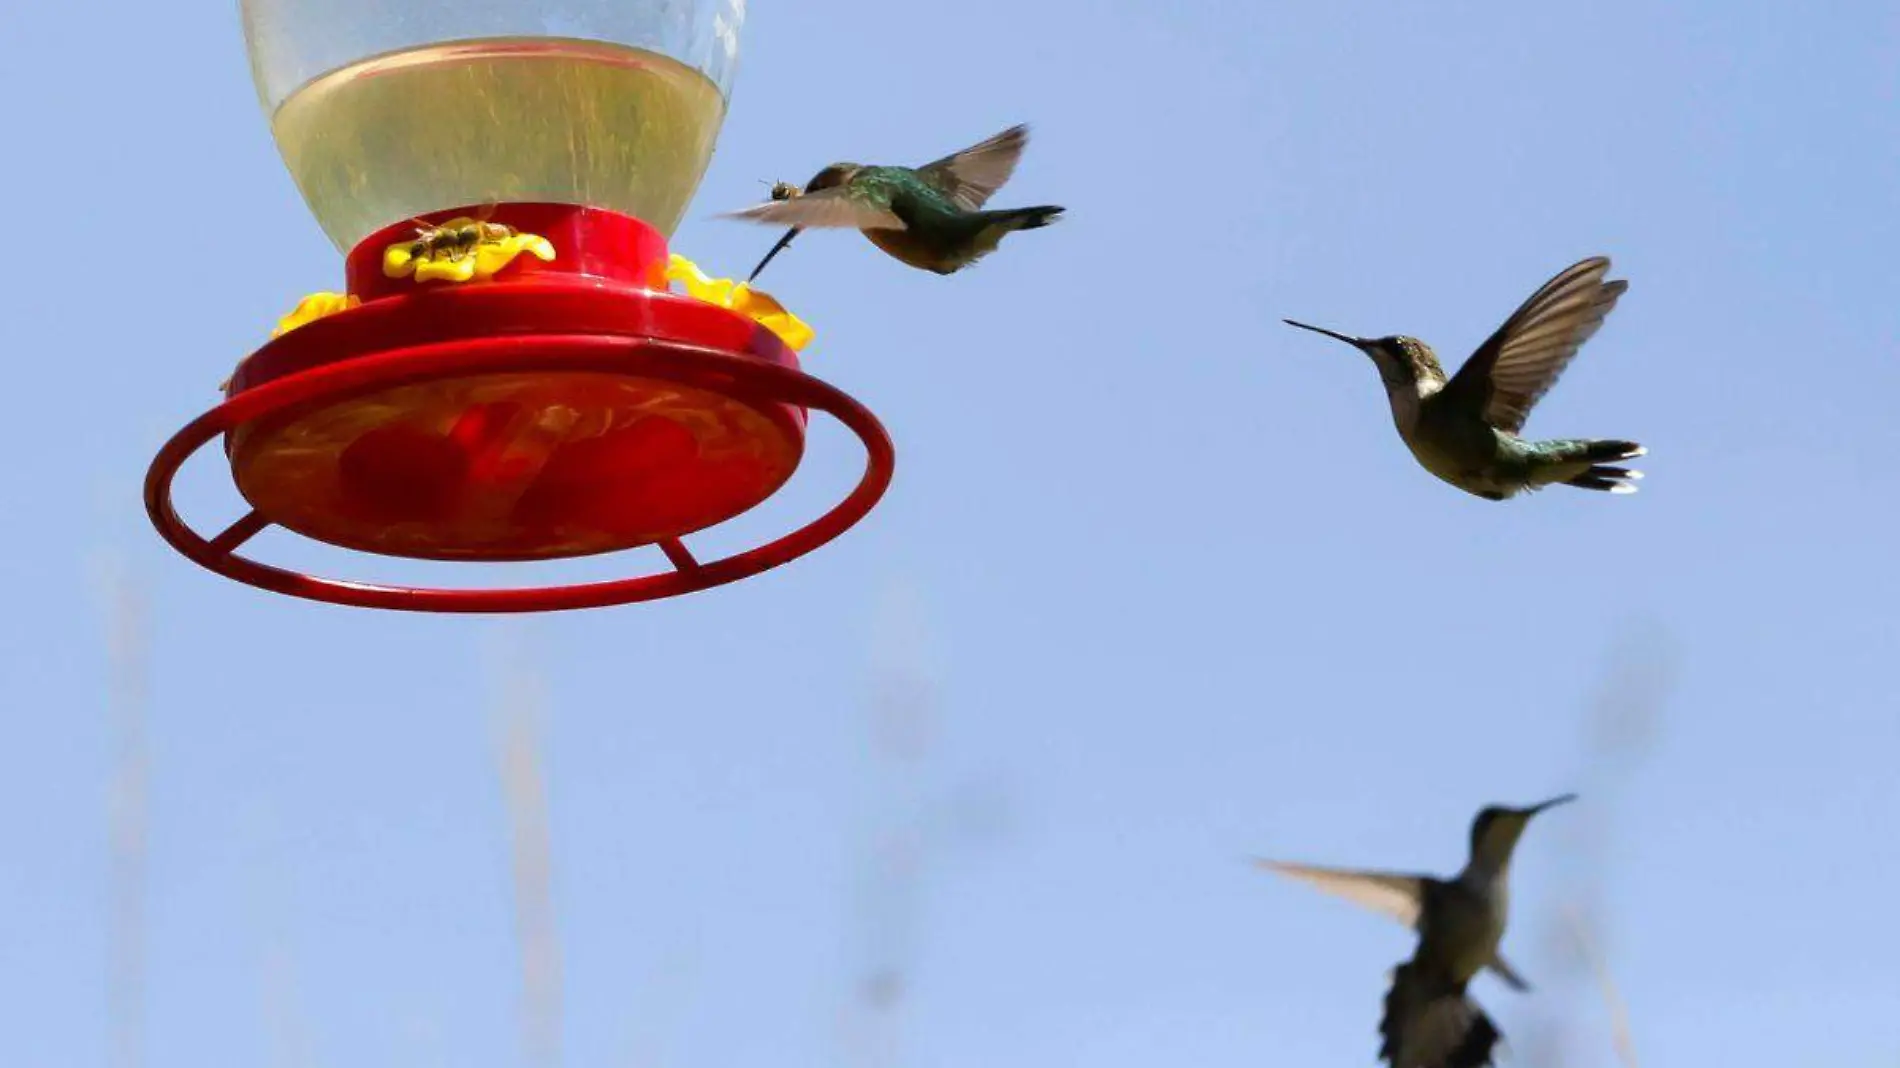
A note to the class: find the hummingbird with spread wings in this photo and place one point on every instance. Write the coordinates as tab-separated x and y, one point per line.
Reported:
1465	429
930	217
1429	1021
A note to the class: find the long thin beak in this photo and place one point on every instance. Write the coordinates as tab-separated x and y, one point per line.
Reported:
776	249
1356	343
1552	803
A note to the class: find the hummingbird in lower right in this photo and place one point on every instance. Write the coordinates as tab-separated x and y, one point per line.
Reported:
1429	1022
930	217
1465	429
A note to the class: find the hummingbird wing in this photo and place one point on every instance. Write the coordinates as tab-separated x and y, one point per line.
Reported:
1398	896
1519	363
972	176
838	208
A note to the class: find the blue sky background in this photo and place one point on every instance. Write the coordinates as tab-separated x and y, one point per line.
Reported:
1175	591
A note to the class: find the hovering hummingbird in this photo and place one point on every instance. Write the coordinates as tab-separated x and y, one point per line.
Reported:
1465	429
1429	1022
930	217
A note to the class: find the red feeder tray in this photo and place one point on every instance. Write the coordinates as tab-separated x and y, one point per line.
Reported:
561	409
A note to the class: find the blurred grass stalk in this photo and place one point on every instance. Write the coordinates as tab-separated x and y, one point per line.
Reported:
886	910
127	674
520	759
1620	725
1612	999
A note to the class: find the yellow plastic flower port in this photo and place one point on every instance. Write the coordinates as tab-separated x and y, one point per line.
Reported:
751	303
308	310
462	250
314	307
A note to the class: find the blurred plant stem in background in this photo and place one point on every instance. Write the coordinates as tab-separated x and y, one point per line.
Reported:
910	817
1612	998
1620	724
520	714
127	674
883	912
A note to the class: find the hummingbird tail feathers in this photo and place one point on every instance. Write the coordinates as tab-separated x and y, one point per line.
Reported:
1028	218
1598	451
993	226
1588	464
1608	479
1430	1023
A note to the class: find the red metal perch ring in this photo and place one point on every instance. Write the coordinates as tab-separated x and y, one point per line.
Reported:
734	375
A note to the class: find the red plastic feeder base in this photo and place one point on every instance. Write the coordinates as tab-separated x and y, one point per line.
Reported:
561	409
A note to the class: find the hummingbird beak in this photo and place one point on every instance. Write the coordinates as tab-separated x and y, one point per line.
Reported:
776	249
1356	343
1552	803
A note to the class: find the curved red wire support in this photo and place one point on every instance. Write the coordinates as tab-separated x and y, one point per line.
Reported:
735	375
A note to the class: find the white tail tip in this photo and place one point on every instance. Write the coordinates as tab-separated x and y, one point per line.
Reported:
1622	487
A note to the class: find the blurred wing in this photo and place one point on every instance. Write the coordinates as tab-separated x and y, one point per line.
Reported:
1519	363
1397	896
829	209
972	176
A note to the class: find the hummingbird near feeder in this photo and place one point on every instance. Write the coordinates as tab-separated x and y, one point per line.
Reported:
1465	429
930	217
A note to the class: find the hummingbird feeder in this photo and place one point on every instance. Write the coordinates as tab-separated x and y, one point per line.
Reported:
508	375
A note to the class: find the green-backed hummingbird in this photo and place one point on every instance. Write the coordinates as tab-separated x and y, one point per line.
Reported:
1465	429
931	217
1429	1022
